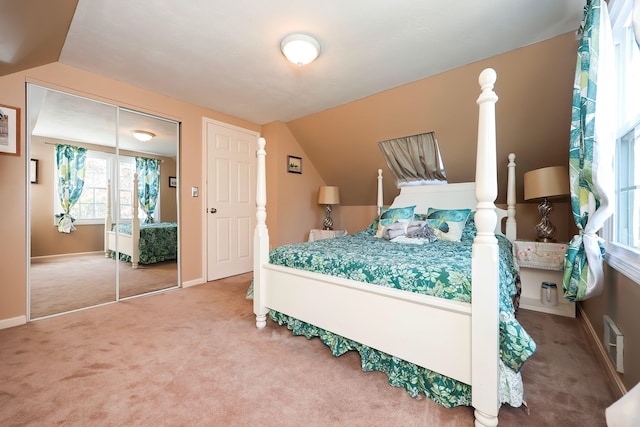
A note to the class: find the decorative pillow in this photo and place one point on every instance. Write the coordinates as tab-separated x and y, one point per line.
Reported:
448	223
470	231
421	230
394	230
389	216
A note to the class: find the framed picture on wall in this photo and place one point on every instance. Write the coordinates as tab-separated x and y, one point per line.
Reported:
173	182
294	164
9	130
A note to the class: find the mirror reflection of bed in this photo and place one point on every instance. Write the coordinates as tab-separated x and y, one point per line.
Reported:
75	270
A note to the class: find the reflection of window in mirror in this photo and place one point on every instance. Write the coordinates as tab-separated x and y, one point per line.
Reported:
414	159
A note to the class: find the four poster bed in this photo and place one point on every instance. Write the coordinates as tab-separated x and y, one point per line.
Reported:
451	350
139	244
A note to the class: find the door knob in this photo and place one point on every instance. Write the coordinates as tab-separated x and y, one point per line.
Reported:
213	210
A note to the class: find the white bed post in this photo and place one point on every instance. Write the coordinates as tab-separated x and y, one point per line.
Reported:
261	238
380	193
107	222
484	293
135	225
511	228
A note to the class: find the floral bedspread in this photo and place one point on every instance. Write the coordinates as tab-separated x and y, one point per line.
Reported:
158	242
441	269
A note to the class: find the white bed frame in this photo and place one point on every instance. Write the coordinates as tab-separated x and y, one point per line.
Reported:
127	243
389	319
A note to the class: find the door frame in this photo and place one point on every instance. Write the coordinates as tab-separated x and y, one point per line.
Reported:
202	193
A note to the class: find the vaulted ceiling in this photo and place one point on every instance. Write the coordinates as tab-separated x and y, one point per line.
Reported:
225	55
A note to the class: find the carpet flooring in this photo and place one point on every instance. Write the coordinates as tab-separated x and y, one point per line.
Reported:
193	357
64	284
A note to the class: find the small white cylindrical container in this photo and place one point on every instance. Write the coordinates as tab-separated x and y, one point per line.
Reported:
549	294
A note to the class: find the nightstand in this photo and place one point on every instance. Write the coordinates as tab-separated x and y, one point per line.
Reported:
325	234
542	262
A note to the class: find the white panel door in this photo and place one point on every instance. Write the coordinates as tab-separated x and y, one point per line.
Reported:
231	205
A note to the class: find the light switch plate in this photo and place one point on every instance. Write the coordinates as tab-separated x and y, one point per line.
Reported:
194	191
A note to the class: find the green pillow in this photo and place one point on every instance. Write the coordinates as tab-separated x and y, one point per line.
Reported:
390	216
448	223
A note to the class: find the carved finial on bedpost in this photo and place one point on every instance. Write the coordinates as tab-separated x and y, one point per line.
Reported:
261	237
511	228
486	169
380	194
485	273
261	191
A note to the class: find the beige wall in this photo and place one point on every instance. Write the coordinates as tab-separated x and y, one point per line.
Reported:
621	302
45	238
533	117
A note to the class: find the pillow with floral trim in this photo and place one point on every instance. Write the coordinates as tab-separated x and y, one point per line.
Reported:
390	216
448	223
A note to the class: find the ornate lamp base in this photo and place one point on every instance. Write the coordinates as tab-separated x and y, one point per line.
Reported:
545	231
327	224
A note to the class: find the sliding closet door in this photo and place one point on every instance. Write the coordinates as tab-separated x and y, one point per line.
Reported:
153	160
81	202
71	143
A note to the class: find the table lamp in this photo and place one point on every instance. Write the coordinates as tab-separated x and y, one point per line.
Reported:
328	195
545	183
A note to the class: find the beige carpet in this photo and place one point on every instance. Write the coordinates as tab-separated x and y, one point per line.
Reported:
69	283
193	357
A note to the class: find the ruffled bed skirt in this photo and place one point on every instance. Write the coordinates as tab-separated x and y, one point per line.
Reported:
414	379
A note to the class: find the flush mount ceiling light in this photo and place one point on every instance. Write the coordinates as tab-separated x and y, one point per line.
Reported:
300	49
142	135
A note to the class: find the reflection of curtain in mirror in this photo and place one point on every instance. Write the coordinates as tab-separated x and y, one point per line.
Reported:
414	159
148	171
70	163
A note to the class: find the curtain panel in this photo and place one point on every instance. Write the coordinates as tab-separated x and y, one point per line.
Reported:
413	158
70	163
148	171
591	149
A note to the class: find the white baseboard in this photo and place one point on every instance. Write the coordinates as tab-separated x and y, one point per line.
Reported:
14	321
193	282
617	386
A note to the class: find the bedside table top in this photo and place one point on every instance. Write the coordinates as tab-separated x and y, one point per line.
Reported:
546	256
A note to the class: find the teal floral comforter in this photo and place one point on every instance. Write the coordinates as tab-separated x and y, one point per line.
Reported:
441	269
158	242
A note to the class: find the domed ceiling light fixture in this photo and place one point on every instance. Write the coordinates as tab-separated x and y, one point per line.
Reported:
142	135
300	49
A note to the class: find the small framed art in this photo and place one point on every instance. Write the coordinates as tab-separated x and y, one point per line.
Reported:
173	182
9	130
294	164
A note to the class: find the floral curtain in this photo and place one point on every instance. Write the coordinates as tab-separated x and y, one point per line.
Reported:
591	153
148	171
70	163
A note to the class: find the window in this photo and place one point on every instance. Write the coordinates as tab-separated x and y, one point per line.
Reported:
623	230
91	208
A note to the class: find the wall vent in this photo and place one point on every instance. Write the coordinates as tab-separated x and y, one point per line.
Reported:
614	344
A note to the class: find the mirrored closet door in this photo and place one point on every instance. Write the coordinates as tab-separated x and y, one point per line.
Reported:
102	202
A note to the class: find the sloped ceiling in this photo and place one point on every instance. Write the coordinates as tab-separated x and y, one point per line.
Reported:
224	55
